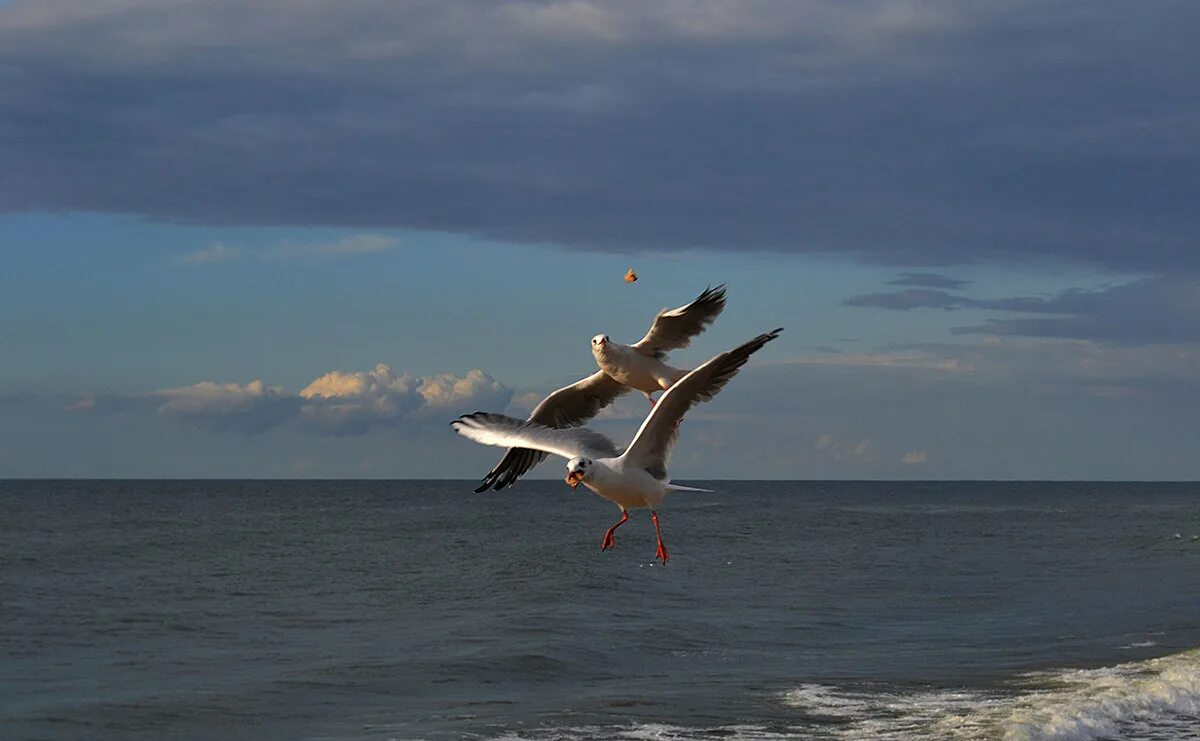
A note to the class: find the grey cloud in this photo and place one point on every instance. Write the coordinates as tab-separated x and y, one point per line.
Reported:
928	280
826	349
828	444
1160	309
910	298
1155	309
1069	367
919	134
348	246
250	409
1013	375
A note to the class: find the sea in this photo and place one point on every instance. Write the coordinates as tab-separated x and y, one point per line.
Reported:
421	610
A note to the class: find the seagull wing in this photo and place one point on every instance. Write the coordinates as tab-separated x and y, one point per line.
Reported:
651	447
673	329
504	431
569	406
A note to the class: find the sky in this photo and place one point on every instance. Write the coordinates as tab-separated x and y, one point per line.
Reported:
295	239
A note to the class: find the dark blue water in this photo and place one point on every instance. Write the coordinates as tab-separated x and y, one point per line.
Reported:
256	609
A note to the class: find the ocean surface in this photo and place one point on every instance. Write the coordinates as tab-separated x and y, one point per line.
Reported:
419	610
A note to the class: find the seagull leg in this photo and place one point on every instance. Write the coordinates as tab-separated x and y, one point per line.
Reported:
608	537
649	398
662	549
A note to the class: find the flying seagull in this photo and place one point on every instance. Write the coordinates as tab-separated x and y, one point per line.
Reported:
622	367
638	476
641	365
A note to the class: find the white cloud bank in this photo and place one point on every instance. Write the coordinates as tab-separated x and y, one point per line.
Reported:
337	403
254	407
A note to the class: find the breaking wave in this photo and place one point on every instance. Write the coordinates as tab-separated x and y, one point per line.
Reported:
1151	700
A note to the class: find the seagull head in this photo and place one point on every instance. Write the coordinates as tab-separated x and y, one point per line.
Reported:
578	469
598	342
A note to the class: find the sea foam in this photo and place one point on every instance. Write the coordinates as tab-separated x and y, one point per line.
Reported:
1153	699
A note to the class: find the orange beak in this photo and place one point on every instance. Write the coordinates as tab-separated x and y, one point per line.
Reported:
573	478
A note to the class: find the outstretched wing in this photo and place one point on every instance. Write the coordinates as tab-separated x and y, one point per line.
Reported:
504	431
673	329
569	406
651	447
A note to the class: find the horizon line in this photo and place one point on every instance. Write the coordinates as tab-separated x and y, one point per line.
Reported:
474	482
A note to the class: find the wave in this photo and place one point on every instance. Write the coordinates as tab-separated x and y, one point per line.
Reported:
655	732
1153	699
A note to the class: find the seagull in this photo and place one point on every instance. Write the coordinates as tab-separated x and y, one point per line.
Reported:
638	476
640	365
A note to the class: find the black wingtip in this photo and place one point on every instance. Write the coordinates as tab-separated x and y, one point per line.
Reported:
744	351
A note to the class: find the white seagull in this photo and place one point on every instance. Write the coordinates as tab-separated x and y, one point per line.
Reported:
638	476
640	366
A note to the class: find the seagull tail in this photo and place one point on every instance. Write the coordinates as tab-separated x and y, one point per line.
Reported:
677	487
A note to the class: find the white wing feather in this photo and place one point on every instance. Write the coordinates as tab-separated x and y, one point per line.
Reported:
509	432
673	329
651	447
569	406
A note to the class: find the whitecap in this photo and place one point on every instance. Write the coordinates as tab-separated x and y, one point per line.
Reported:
656	732
1139	644
1154	699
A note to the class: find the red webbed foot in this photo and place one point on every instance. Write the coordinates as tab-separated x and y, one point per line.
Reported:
662	548
608	536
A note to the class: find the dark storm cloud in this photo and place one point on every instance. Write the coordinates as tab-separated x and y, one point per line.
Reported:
1158	309
919	133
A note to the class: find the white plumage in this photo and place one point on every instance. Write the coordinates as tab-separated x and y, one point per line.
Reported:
640	366
637	476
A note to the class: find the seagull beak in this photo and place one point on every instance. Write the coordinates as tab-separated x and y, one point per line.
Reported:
602	341
573	478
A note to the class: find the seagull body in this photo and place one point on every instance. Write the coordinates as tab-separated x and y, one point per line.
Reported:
631	367
624	485
640	366
637	476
